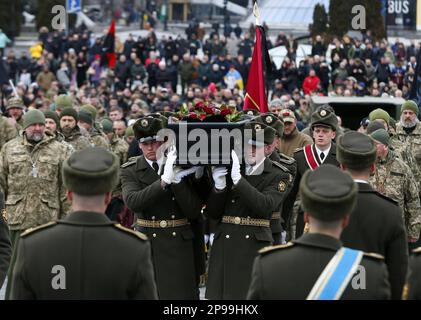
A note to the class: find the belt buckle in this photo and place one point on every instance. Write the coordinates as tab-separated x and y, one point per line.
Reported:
163	223
237	220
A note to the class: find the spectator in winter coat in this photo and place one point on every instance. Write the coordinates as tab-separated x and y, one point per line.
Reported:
311	82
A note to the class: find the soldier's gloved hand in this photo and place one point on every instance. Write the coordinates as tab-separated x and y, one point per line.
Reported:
235	170
168	175
180	173
219	177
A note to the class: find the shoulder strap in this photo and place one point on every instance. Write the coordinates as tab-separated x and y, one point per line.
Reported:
335	277
310	157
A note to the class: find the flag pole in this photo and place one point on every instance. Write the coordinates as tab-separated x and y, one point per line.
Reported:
256	13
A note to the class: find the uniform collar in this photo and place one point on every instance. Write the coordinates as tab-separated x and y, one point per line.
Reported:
86	218
319	240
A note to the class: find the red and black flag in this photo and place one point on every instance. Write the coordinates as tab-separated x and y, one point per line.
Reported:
256	97
108	57
415	93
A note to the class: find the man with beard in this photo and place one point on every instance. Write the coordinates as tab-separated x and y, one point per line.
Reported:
292	139
87	116
408	131
52	123
14	109
71	131
31	178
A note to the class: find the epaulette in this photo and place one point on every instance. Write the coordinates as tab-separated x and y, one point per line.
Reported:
417	250
32	230
298	150
373	255
387	198
130	162
280	166
285	159
138	234
274	248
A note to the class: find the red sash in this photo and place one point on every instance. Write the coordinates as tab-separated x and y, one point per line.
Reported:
310	157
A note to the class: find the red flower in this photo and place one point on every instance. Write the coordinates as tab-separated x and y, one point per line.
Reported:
193	115
226	112
209	110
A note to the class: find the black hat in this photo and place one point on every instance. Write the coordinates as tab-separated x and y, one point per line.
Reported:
327	193
70	112
256	128
147	128
356	150
373	126
52	115
270	119
324	116
91	171
86	117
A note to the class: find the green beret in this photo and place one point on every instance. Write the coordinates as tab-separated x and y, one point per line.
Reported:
107	125
15	102
69	112
255	128
324	117
33	116
64	101
147	128
270	119
356	150
52	115
86	117
410	105
129	132
382	136
91	171
327	193
91	109
374	125
379	114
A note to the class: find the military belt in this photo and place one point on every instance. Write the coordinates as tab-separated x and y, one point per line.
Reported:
246	221
162	224
276	216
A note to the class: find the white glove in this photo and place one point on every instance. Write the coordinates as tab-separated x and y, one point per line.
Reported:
235	170
219	177
180	174
168	174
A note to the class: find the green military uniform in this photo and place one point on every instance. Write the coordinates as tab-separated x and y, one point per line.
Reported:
7	131
74	137
291	271
164	215
88	114
16	102
394	179
100	259
357	151
244	213
5	247
118	146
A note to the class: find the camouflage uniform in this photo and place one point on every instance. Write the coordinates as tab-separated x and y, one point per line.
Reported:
34	193
97	139
7	131
409	145
120	148
394	179
77	140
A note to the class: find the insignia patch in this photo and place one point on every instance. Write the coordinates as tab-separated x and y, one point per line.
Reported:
144	123
4	215
323	113
257	127
282	186
250	113
269	119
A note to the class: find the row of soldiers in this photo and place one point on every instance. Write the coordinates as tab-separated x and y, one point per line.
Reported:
250	210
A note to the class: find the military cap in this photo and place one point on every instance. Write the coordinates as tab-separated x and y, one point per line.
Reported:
86	116
373	126
324	117
91	109
147	128
327	193
107	125
382	136
256	128
15	102
129	132
91	171
356	150
52	115
410	105
163	118
379	114
69	112
33	116
64	101
270	119
251	112
288	115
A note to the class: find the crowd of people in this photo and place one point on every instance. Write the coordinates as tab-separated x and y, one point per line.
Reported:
206	224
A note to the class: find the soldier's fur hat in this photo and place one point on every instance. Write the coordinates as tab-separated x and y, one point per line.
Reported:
356	150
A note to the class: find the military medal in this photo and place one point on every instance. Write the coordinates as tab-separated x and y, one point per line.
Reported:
34	171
